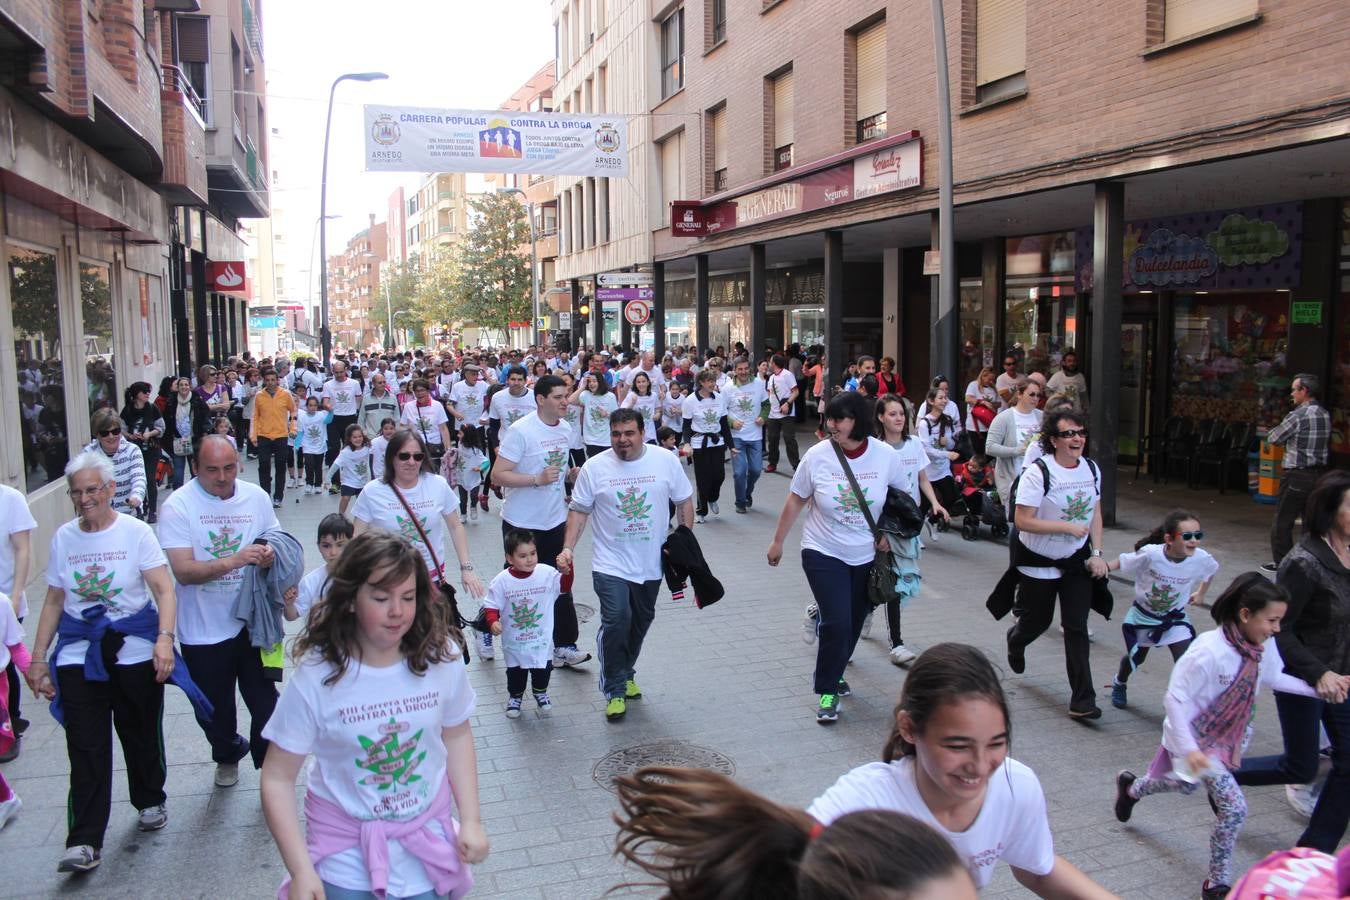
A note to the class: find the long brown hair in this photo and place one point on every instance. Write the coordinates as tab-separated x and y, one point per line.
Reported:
704	837
330	630
943	674
400	437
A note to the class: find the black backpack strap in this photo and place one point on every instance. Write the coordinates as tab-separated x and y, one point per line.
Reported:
1045	471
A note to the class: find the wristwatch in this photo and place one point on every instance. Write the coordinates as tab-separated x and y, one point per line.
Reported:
1097	552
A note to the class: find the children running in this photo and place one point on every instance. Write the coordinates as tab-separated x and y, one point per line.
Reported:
519	609
1210	701
13	648
313	435
467	471
1170	572
381	697
354	464
335	530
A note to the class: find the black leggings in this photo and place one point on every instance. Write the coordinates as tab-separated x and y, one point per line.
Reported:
709	473
1123	674
314	469
945	491
538	678
468	497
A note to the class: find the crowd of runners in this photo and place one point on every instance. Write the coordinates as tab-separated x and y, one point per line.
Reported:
417	446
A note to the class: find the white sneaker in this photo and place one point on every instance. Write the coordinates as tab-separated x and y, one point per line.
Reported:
473	515
902	655
227	774
867	626
569	656
485	650
10	808
811	624
714	509
153	818
700	519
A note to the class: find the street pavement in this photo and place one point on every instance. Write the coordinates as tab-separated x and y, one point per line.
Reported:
727	687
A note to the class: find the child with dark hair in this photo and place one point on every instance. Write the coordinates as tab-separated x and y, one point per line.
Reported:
1170	572
519	609
335	530
1210	702
946	764
701	835
466	471
353	462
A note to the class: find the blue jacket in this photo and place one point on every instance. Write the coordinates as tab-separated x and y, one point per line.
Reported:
93	625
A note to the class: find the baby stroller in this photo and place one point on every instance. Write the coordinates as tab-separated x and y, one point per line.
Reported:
979	502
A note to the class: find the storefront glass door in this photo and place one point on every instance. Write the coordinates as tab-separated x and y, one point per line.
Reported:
1136	351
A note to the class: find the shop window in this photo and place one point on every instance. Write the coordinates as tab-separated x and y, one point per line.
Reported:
1229	358
1042	315
1184	18
41	381
1340	364
977	331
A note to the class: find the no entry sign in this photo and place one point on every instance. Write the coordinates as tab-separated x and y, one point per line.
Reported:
637	312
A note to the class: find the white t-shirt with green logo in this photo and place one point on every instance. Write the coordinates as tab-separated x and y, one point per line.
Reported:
835	525
526	608
628	504
533	446
704	415
425	420
432	500
376	739
1162	584
744	403
345	396
648	405
509	409
1072	497
213	529
104	567
595	410
468	400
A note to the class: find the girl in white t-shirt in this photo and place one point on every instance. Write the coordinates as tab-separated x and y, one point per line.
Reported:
380	697
938	434
677	824
519	610
353	462
313	434
1211	705
1170	573
641	397
946	764
596	401
466	474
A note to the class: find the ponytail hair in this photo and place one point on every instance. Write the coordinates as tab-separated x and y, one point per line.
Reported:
1251	591
704	837
944	673
1170	523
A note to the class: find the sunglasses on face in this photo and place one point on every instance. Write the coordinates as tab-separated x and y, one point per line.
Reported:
405	456
110	431
1191	535
1009	363
1072	433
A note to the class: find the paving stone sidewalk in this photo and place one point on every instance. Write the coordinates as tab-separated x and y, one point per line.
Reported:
727	686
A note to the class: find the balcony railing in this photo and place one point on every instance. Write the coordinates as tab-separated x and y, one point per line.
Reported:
252	30
252	162
173	79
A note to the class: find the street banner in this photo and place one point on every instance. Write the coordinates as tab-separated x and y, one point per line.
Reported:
420	139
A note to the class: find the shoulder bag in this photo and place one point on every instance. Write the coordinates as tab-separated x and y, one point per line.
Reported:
881	580
443	587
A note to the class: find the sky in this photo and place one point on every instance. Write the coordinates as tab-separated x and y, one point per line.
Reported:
457	54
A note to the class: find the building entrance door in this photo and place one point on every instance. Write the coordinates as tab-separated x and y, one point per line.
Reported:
1136	384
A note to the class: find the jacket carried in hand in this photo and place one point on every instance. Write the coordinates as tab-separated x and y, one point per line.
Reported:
682	562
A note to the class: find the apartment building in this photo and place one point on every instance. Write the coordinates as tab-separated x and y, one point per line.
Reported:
436	215
605	65
1206	140
396	228
111	212
355	302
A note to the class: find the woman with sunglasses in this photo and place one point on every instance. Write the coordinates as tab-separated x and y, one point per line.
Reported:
1012	431
408	479
1170	572
127	460
1059	553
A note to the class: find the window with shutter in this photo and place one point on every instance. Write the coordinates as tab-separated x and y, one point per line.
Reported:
672	53
719	148
1187	17
871	81
194	57
782	121
1000	47
671	182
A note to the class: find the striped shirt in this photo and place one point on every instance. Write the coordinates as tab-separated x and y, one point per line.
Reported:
128	471
1306	436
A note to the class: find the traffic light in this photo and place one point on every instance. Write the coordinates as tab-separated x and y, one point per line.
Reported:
584	310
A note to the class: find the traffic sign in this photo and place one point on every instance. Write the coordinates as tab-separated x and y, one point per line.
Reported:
624	279
637	312
564	321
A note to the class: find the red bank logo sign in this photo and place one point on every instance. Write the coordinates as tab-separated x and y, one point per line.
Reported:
227	277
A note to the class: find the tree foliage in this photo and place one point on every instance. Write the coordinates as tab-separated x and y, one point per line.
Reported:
400	286
492	284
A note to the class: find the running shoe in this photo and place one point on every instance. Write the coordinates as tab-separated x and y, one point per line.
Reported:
902	655
1210	891
716	511
615	708
152	818
541	699
700	519
1082	715
80	858
564	657
828	711
811	624
473	515
631	691
1119	695
867	626
1017	660
1124	802
513	707
10	808
741	509
844	690
227	774
485	650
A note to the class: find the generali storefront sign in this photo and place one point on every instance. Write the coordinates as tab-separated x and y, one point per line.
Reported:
895	164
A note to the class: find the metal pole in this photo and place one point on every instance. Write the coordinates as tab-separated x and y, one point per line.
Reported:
325	339
389	310
534	274
943	348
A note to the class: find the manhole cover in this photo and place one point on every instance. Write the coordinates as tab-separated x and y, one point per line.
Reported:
584	613
661	753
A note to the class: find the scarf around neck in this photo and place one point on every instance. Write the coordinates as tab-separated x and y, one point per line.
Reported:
1219	730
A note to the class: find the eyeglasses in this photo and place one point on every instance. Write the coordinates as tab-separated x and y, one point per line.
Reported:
1031	393
1072	433
77	493
1191	535
1009	363
110	431
405	456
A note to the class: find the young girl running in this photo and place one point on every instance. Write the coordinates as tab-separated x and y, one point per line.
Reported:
946	764
313	432
1210	701
700	834
354	464
13	648
295	462
644	400
380	696
467	471
1170	572
519	609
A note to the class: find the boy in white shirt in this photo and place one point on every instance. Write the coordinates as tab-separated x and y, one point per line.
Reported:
519	610
335	530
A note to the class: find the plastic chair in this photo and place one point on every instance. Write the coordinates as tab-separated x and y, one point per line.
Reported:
1238	448
1150	448
1176	445
1211	449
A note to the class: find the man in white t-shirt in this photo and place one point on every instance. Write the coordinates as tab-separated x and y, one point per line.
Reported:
533	466
208	529
649	368
1069	381
782	388
18	522
1006	383
628	489
467	398
747	411
504	408
341	395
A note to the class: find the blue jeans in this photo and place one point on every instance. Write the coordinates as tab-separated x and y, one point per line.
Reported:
1299	718
627	609
841	596
180	466
333	892
745	468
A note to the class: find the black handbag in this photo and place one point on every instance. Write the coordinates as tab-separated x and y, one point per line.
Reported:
446	590
881	578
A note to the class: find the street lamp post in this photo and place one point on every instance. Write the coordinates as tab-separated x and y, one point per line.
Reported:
534	263
326	339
